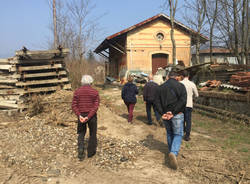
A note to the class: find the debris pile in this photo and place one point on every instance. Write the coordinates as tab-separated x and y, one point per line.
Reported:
241	79
31	72
114	153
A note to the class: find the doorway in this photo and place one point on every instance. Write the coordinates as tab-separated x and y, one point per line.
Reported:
159	60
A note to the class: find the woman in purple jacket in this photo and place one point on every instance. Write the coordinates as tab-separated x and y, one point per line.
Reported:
129	92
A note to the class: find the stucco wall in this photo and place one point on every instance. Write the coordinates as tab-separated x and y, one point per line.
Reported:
142	43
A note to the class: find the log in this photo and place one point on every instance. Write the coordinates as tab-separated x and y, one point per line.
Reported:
221	114
37	82
8	81
45	74
228	96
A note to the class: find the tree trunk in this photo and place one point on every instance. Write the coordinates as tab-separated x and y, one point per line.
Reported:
243	30
247	35
54	21
172	15
198	50
236	31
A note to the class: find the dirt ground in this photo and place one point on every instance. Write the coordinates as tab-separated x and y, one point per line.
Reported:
41	147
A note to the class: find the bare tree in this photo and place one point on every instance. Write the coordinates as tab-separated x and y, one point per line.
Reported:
211	14
171	5
76	26
233	24
80	9
196	19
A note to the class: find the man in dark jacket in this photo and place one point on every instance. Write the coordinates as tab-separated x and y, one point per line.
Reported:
129	92
149	92
170	102
85	104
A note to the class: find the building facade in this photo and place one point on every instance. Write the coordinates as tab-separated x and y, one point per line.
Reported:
147	46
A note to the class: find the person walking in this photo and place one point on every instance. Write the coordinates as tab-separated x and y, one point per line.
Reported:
191	91
85	104
149	92
129	92
170	102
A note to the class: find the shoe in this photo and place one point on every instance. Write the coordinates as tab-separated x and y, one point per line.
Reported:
173	161
187	138
91	154
150	123
81	155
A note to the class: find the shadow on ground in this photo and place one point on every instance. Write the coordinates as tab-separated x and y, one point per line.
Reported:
154	144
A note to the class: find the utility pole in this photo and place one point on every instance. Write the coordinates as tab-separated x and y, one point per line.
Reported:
54	21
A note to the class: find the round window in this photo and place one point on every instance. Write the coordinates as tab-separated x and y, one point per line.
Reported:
160	36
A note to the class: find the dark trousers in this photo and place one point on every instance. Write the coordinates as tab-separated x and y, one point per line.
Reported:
130	107
81	130
187	120
148	110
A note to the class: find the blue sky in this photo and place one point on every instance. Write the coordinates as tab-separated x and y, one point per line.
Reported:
26	22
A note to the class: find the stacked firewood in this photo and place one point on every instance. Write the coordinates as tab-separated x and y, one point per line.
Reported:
30	72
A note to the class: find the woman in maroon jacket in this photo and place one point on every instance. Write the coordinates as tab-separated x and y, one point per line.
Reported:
85	104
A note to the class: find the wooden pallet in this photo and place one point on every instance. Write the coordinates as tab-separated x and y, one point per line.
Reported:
31	72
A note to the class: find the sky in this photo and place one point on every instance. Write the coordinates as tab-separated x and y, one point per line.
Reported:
26	22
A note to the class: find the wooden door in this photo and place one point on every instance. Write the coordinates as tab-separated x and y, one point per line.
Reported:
159	60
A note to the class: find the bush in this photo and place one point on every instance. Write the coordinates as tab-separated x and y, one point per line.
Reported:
76	69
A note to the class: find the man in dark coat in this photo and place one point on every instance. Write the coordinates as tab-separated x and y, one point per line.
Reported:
129	92
149	92
170	102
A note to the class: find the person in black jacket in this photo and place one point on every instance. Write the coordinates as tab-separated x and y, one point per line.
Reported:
129	92
149	92
170	102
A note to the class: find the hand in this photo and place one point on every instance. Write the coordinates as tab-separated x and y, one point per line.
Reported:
83	119
167	116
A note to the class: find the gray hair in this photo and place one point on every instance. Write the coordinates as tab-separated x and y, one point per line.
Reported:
87	79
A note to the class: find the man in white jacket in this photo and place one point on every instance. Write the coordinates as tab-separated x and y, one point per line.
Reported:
191	91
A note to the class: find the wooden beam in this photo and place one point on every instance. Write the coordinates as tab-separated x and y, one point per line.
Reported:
37	82
8	81
45	74
46	89
5	67
116	48
3	86
43	67
4	61
44	61
10	105
40	52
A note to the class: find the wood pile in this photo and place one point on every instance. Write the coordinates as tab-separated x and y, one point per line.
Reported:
241	79
30	72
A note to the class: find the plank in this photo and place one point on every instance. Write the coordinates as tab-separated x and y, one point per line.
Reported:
11	91
43	67
44	61
8	81
37	52
45	74
10	105
5	67
3	86
37	82
46	89
4	61
10	97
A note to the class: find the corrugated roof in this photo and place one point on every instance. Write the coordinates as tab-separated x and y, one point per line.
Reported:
104	44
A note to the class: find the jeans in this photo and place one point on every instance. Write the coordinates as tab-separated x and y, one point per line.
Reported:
148	110
174	128
81	130
130	107
187	120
